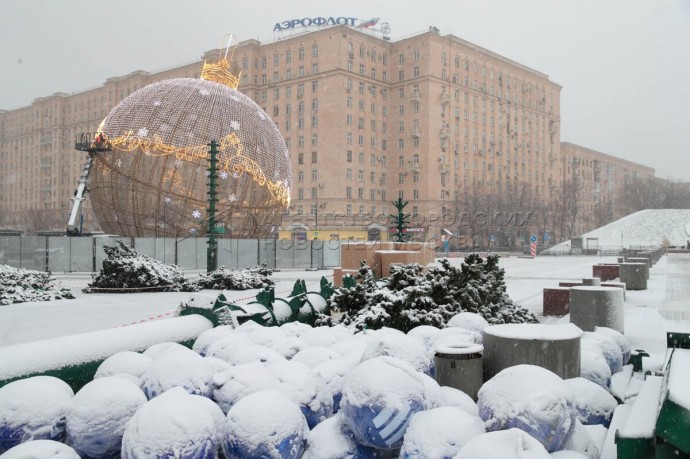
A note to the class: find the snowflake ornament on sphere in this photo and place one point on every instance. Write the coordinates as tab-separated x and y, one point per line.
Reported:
232	198
234	125
204	92
143	132
196	214
223	175
167	200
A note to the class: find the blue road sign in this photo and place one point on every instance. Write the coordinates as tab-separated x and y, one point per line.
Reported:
533	239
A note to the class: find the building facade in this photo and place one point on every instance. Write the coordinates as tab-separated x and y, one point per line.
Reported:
598	181
451	127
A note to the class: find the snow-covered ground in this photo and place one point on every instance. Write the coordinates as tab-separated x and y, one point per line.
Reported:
646	228
646	322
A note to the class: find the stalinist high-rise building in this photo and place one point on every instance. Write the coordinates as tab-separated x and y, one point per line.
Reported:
432	118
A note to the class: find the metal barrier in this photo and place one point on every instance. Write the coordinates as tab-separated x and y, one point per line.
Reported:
86	254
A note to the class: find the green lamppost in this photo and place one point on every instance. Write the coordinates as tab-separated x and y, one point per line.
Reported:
400	221
212	251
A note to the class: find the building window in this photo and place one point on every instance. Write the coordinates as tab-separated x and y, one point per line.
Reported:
314	174
314	86
348	192
315	50
360	193
415	195
288	56
300	53
348	174
401	58
401	75
415	72
348	155
313	157
300	176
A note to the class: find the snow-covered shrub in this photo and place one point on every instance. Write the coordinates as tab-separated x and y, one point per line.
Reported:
593	403
503	444
241	279
97	415
410	298
380	396
469	321
125	269
175	424
33	409
21	285
439	433
265	424
41	449
530	398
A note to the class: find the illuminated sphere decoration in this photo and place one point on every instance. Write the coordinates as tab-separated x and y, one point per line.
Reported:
155	180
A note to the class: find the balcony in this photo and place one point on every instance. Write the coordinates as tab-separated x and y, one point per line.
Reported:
414	132
445	98
415	96
444	132
413	166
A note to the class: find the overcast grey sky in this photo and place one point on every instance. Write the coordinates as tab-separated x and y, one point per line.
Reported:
624	64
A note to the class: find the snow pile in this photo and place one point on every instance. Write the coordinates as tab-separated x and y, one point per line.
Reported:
97	415
243	279
646	228
410	297
530	398
439	433
175	424
126	270
33	409
265	424
21	285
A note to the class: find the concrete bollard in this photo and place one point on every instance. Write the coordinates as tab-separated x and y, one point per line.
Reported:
556	301
605	272
460	365
640	258
621	259
554	347
597	307
634	275
591	282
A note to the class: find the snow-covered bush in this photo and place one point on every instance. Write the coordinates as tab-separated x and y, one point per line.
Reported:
243	279
21	285
33	409
410	297
126	270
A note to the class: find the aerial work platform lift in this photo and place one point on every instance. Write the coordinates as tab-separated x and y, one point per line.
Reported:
92	144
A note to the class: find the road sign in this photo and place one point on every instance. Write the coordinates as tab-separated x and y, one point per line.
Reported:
316	234
533	239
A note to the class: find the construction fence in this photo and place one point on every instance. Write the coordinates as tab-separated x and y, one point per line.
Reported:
86	254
